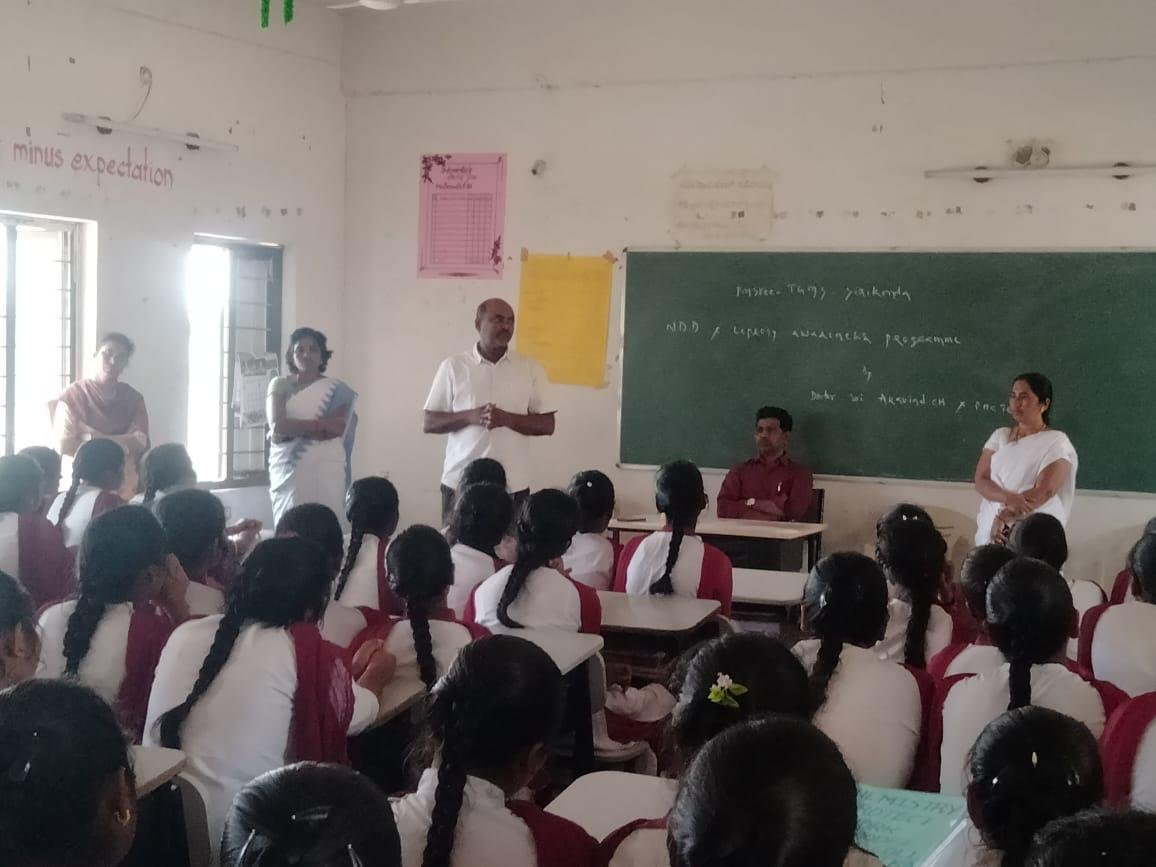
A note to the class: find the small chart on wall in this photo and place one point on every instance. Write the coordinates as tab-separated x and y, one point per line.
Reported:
894	364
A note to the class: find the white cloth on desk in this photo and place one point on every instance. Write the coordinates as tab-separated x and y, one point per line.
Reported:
873	712
240	727
471	568
515	383
590	560
341	624
939	629
361	590
103	667
1015	466
487	832
1124	648
973	703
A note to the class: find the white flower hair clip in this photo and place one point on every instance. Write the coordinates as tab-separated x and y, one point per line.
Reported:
726	692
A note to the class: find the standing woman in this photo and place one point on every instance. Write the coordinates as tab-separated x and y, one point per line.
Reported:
312	429
1025	468
103	407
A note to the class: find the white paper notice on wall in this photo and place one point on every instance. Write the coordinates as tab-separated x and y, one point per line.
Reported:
722	205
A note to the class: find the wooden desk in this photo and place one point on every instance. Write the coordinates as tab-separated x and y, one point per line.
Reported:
604	801
664	615
155	766
398	696
767	587
779	531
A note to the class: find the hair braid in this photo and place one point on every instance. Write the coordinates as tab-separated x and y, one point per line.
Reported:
915	642
69	500
81	627
830	649
150	493
456	731
664	586
1019	680
357	534
526	563
169	724
418	615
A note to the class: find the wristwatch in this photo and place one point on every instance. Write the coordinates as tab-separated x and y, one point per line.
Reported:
751	503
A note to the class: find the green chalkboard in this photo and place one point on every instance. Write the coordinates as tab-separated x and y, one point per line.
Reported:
893	364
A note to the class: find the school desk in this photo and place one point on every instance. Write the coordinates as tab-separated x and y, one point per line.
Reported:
399	695
662	615
604	801
769	588
155	766
741	528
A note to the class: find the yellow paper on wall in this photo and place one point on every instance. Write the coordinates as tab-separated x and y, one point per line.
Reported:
563	316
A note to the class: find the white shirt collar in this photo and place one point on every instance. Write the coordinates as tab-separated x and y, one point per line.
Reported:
479	359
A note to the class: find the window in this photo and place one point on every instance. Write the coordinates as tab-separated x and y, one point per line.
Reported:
234	306
39	264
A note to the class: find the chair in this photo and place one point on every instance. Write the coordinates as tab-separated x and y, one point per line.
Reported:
196	823
1127	746
814	515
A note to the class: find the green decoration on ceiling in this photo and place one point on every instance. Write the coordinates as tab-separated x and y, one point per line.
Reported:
265	13
286	12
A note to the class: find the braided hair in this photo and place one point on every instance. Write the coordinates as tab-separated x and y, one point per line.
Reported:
680	496
482	516
979	567
61	750
502	696
421	570
1042	537
1027	768
194	524
913	555
117	552
284	581
372	507
594	493
319	525
310	815
20	481
99	462
1030	617
17	615
163	467
774	679
845	602
545	528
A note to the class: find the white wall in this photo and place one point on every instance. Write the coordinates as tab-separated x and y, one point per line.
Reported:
276	94
847	103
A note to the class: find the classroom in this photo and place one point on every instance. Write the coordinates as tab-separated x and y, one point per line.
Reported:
499	317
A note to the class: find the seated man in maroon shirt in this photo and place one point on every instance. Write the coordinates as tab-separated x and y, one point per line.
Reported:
770	487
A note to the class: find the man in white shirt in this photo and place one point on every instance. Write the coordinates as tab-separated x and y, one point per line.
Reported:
489	400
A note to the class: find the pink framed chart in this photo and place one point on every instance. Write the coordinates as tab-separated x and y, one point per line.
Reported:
462	214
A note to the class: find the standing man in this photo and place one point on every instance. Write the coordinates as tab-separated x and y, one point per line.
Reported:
489	400
770	487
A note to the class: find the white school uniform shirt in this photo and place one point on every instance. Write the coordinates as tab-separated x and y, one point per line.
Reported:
939	629
203	599
240	727
1143	795
1015	466
700	572
873	712
10	543
591	560
1085	595
471	567
1124	648
549	600
361	590
974	702
487	833
515	383
975	659
103	667
341	624
79	516
447	636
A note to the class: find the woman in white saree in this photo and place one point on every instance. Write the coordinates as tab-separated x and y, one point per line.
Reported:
312	427
1027	467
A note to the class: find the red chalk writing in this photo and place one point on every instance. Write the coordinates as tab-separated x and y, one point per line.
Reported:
129	165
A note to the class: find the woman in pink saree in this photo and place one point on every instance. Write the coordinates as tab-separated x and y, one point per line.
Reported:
104	407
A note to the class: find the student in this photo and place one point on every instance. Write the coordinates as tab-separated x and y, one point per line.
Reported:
534	592
310	815
489	727
1123	587
249	690
771	681
1030	766
427	641
31	547
480	521
1042	537
164	469
1125	838
1118	642
19	638
194	524
675	560
97	474
317	523
487	471
860	700
771	791
913	555
49	462
67	791
1030	617
590	559
110	636
372	509
978	656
